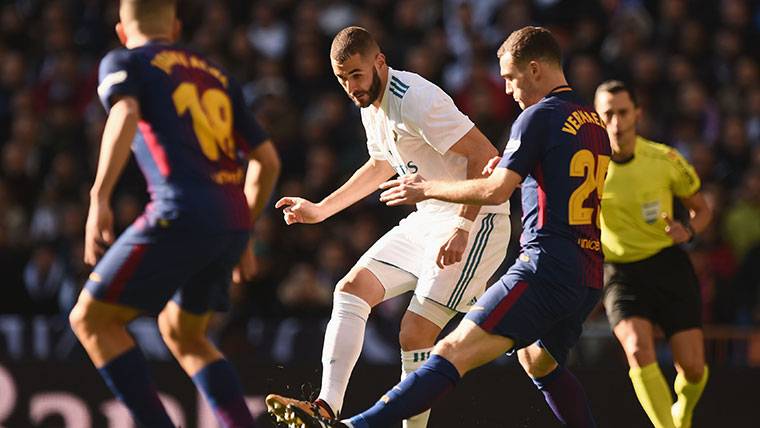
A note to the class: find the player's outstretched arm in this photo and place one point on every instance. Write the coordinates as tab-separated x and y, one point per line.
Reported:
263	170
364	181
493	190
475	147
119	131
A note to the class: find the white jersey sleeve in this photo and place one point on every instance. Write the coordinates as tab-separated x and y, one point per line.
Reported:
431	112
373	144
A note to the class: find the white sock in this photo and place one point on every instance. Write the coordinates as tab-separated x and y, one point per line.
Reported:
344	338
411	361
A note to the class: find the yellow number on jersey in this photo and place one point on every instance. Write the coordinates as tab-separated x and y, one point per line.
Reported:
212	118
584	165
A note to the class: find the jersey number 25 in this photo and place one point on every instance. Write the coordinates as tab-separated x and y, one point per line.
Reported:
593	170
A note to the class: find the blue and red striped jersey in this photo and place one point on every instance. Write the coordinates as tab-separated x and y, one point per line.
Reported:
195	134
561	149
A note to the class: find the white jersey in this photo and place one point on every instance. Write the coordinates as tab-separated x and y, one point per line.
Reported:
413	130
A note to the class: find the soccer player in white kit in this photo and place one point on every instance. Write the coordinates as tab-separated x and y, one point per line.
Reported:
444	252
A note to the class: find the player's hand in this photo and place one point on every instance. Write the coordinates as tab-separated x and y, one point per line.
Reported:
491	165
453	249
299	210
676	230
405	190
246	267
98	233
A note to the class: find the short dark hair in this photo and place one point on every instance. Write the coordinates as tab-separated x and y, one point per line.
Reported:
350	41
531	43
615	87
145	9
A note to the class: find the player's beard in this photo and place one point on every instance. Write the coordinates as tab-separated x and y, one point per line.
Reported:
374	91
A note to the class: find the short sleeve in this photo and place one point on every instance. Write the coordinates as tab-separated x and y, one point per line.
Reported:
248	133
526	141
117	77
683	178
431	113
373	148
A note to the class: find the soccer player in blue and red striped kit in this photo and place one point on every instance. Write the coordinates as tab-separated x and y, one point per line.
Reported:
185	120
559	150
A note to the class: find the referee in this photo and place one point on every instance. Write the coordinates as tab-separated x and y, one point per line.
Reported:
648	278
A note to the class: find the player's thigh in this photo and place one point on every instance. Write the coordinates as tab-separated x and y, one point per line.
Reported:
458	286
145	266
523	306
177	324
430	310
375	281
469	346
90	315
207	288
400	247
681	307
636	335
393	261
564	334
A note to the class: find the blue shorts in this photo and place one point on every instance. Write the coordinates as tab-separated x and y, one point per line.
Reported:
527	307
158	259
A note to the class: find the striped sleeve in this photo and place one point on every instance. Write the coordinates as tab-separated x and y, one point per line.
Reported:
684	179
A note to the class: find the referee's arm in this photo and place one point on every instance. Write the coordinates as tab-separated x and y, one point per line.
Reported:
700	216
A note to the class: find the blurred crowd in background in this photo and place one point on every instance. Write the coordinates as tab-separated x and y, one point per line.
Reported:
694	66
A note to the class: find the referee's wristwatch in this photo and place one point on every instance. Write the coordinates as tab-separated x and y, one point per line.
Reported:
692	233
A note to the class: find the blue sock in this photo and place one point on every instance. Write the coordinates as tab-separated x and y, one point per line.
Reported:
565	396
412	396
221	388
128	377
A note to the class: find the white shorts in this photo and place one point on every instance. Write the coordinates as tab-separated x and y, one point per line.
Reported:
413	245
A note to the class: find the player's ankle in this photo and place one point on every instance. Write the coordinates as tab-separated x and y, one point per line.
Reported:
326	406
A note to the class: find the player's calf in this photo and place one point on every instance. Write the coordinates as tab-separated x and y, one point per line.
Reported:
185	336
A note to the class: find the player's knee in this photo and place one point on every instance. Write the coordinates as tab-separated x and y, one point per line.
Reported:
78	321
642	354
179	340
411	339
638	349
85	321
348	285
166	327
357	285
693	369
536	361
535	367
417	332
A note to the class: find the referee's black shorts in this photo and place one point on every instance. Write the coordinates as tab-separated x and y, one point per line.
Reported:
662	288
